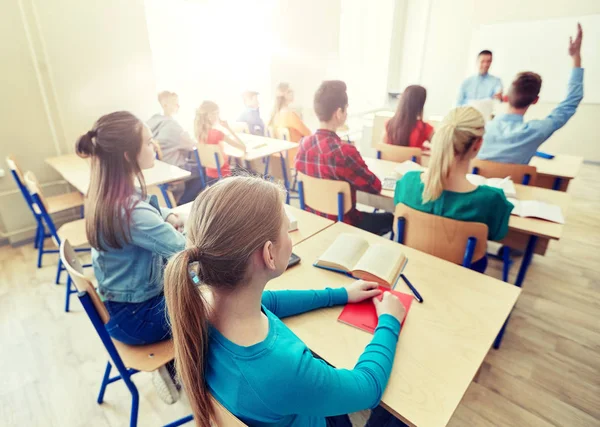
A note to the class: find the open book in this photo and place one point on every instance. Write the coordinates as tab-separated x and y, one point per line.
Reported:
408	166
535	209
292	218
504	184
353	255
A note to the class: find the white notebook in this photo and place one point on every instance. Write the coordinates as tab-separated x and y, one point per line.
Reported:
502	183
408	166
292	218
535	209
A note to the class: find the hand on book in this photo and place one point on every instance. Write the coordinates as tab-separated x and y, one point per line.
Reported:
361	290
390	304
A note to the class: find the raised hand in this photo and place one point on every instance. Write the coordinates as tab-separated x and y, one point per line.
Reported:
575	45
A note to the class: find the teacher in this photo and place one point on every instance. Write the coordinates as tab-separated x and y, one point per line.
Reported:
482	85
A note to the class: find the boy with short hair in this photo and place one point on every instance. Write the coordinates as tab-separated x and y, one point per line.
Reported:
251	114
324	155
508	139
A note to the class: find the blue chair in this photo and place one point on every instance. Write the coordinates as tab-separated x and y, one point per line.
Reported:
55	204
317	194
398	154
459	242
282	166
127	359
208	156
73	231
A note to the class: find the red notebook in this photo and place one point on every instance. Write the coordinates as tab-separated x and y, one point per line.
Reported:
363	315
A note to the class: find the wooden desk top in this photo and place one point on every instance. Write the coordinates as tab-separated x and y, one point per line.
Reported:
76	171
273	146
531	226
562	166
443	341
308	224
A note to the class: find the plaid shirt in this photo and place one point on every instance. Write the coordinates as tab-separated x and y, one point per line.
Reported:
324	155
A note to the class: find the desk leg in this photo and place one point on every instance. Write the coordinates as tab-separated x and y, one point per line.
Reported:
520	279
267	159
557	183
164	191
285	180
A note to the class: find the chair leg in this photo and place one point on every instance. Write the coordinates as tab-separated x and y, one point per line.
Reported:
36	242
68	294
104	383
40	248
59	270
135	400
506	262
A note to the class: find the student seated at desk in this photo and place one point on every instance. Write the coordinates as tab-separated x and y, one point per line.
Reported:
407	127
176	145
508	138
325	155
444	189
229	339
130	235
251	114
207	116
283	117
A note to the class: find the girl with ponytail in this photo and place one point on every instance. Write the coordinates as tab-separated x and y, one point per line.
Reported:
207	116
282	116
131	236
229	340
444	188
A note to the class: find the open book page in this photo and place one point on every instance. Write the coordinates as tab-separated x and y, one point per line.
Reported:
476	179
506	185
535	209
381	264
407	166
292	218
344	252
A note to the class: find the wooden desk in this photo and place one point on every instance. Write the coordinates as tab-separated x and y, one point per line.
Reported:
529	234
556	173
443	341
76	171
308	224
271	146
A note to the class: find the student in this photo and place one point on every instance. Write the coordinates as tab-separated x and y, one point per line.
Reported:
444	189
283	117
482	85
508	138
251	114
207	116
325	155
176	144
407	127
229	340
130	235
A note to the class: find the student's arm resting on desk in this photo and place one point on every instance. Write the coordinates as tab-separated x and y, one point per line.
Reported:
289	303
318	389
566	109
357	173
151	232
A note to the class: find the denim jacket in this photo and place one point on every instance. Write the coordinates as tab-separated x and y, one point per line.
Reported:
134	273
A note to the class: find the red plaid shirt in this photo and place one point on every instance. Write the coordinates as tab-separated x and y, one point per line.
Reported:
324	155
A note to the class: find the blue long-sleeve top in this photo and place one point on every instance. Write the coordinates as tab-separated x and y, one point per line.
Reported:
278	382
508	139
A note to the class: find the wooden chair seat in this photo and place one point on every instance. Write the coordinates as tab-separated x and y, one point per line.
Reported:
74	232
62	202
146	358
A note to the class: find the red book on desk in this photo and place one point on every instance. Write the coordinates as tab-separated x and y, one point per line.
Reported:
363	315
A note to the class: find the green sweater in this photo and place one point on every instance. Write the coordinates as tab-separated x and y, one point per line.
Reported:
484	204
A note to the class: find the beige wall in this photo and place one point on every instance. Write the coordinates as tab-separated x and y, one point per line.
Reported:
439	51
70	62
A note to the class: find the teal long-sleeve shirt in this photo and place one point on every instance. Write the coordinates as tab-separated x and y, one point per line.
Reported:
278	382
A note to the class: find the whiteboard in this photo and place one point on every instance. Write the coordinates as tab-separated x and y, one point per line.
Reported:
542	47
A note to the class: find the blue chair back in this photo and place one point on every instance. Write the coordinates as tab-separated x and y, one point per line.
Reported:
316	193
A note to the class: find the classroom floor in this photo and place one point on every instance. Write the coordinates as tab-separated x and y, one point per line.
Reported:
547	372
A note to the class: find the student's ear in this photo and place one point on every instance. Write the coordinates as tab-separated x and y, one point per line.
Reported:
127	159
537	98
268	254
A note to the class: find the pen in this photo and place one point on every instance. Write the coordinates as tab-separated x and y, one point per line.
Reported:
418	296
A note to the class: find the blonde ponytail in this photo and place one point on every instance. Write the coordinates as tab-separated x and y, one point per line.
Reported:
280	100
201	123
459	130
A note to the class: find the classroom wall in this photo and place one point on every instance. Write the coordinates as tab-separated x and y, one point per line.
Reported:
436	45
67	62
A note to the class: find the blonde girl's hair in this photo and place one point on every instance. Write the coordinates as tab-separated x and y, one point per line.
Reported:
280	93
201	123
229	222
457	134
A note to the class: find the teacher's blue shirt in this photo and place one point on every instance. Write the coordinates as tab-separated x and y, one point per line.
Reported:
508	139
478	87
